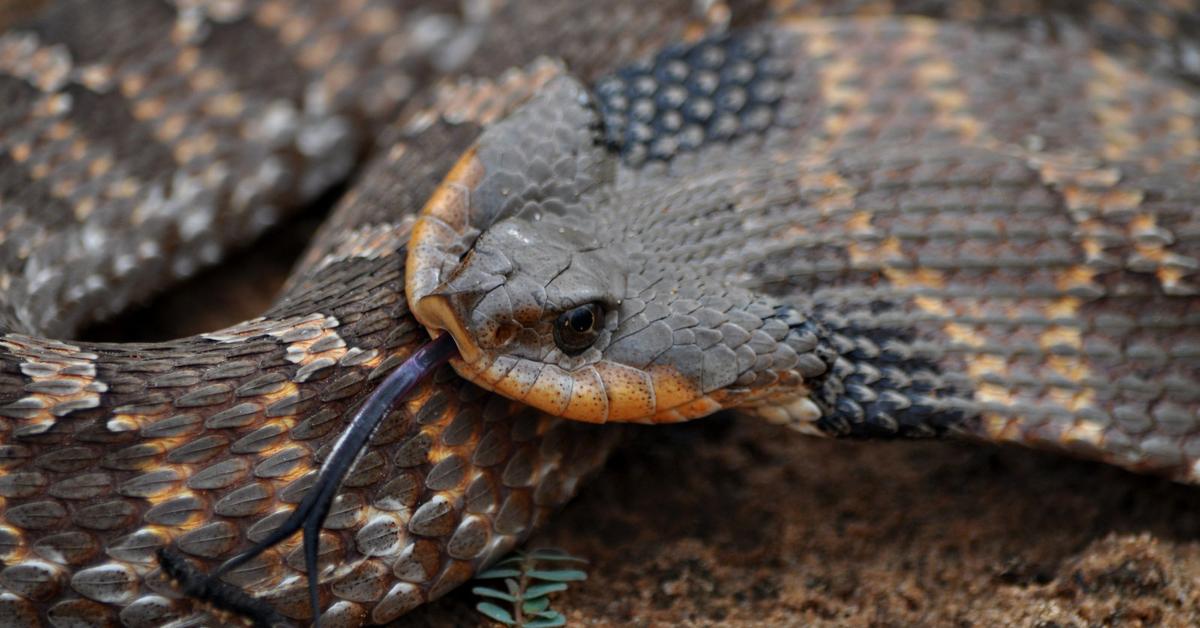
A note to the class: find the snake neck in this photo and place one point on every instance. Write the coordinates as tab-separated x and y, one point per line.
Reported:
880	382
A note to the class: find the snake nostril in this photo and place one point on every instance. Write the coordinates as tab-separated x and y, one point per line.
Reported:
504	334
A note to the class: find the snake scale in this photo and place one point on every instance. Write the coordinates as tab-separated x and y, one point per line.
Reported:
853	218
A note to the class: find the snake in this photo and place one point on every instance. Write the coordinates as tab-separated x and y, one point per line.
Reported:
853	219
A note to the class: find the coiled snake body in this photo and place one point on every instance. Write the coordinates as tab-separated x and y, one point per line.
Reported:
868	226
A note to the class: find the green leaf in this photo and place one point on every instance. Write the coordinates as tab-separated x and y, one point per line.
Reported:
496	613
488	592
518	568
540	590
555	555
547	551
533	607
549	620
557	575
498	573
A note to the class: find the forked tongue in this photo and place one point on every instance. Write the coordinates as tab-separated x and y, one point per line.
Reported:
310	515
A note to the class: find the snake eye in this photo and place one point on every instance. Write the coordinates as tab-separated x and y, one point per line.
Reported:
576	329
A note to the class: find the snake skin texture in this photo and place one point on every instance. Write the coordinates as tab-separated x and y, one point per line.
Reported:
119	172
986	231
863	227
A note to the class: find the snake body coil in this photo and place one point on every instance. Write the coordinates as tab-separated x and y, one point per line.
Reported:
860	226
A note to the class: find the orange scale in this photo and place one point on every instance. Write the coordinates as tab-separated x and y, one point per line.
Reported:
551	391
427	251
588	400
671	390
701	407
452	199
666	416
630	391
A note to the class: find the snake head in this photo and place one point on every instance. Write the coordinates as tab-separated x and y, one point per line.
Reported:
555	287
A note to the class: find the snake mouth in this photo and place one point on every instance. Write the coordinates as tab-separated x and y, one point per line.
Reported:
437	315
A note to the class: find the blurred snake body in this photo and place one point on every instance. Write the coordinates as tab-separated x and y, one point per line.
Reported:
985	224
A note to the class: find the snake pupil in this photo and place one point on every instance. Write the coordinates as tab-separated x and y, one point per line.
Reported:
582	319
576	329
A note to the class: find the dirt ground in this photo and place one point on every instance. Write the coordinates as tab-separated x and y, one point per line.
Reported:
729	521
733	522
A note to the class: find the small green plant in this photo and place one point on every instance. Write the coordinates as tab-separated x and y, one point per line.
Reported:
527	588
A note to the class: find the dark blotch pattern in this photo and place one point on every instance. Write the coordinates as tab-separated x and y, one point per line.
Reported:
687	95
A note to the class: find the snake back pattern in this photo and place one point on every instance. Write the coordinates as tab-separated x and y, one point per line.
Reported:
853	218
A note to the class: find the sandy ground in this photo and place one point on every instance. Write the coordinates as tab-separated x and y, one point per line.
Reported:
729	521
